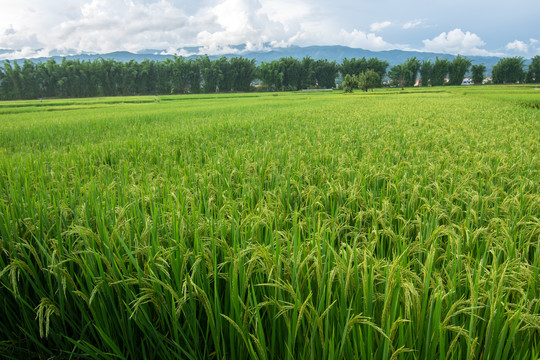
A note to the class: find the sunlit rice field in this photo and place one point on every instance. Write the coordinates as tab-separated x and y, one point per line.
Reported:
387	225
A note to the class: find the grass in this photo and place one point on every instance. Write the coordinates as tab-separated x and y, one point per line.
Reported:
392	225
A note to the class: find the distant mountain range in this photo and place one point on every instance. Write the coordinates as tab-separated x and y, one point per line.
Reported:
333	53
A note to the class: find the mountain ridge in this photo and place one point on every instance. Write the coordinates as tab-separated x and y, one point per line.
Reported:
330	52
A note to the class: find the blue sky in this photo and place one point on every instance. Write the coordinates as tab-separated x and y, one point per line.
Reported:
31	28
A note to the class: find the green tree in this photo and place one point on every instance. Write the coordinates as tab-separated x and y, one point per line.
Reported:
478	72
307	73
509	70
163	77
350	82
426	68
291	69
10	82
325	73
146	77
52	70
368	80
29	80
193	76
410	73
127	78
211	73
533	75
399	74
244	71
379	66
353	66
439	72
271	75
457	70
358	66
179	74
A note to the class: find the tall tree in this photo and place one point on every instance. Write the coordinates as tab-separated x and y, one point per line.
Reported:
533	75
399	74
478	72
291	69
193	76
379	66
357	66
457	70
8	86
226	79
29	80
439	72
353	66
426	69
509	70
368	80
271	75
211	74
179	75
325	73
243	71
146	77
350	82
412	66
307	73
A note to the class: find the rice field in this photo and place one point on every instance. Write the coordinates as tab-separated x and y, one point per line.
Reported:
387	225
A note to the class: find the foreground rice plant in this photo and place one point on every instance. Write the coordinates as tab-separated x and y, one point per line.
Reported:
319	226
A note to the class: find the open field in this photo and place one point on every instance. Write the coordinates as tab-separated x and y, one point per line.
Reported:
393	224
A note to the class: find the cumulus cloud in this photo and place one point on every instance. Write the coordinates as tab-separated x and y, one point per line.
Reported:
35	27
214	26
534	46
110	25
378	26
360	39
240	22
411	24
289	13
456	42
11	38
25	53
121	25
518	46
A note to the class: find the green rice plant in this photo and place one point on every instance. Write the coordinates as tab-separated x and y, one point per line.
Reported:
388	225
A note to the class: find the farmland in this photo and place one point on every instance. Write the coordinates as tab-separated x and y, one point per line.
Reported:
393	224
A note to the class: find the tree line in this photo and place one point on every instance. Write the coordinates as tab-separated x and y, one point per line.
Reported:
444	71
76	78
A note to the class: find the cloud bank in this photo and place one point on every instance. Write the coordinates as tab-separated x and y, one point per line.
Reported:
33	28
457	42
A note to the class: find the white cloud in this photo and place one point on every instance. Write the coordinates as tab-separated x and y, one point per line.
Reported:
517	45
285	11
12	38
112	25
360	39
535	50
378	26
456	42
98	26
411	24
240	22
26	53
